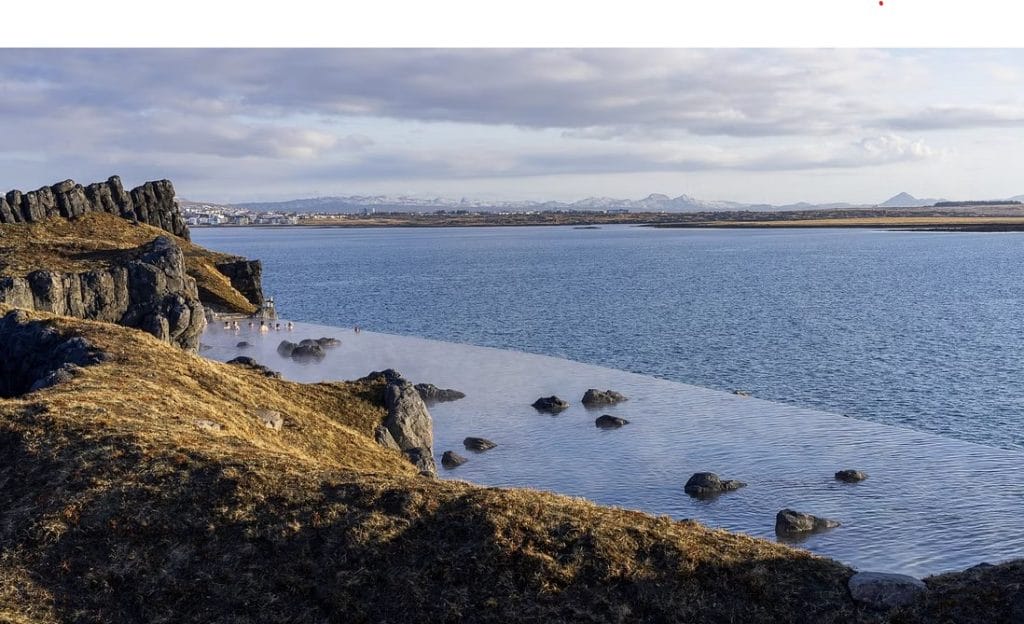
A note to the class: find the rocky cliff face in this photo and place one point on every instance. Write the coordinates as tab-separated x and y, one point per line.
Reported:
246	277
152	203
148	289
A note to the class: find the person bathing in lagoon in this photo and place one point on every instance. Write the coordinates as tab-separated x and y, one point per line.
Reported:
227	325
251	324
263	327
277	327
291	326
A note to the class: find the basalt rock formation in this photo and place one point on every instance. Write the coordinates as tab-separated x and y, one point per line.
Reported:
152	203
147	288
246	277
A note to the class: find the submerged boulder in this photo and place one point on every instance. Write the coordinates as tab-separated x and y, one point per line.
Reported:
432	394
286	348
789	522
851	476
478	444
551	404
327	342
703	484
309	351
610	422
594	397
451	459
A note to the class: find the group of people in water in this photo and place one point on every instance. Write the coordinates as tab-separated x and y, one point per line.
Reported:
264	326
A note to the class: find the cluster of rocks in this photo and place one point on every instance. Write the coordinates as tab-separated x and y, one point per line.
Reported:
592	398
148	288
307	349
152	203
37	356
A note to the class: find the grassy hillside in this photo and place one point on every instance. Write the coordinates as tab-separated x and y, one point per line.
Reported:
96	240
116	506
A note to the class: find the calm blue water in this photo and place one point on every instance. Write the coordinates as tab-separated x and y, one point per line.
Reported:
921	330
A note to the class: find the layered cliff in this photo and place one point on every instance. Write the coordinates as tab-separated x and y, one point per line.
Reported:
152	203
100	252
147	288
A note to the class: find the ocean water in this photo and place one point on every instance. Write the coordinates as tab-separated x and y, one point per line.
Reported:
931	503
913	329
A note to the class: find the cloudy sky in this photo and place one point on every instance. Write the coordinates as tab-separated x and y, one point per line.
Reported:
745	125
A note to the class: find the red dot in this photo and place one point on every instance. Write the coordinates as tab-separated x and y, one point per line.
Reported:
881	3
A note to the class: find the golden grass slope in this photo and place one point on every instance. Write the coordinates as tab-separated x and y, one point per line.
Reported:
116	507
95	240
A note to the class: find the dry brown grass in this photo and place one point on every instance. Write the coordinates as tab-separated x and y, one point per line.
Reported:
116	507
96	240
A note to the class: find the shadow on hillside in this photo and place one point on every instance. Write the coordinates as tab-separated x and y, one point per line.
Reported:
118	531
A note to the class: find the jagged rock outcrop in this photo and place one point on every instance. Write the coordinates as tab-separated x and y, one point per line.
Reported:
149	290
152	203
408	426
246	276
35	356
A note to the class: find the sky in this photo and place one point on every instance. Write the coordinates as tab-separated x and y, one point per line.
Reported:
748	125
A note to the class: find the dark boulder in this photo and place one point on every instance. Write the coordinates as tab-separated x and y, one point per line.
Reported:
610	422
595	397
705	484
478	444
851	476
286	348
308	352
248	362
551	404
243	345
432	394
451	459
35	355
408	422
789	522
327	343
886	591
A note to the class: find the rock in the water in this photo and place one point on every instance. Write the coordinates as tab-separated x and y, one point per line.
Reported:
789	522
327	343
432	394
286	348
408	421
243	345
595	397
703	484
248	362
208	425
311	351
886	591
478	444
741	393
851	476
610	422
451	459
270	419
550	404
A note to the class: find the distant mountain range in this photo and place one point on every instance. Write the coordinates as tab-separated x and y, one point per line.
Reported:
652	203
